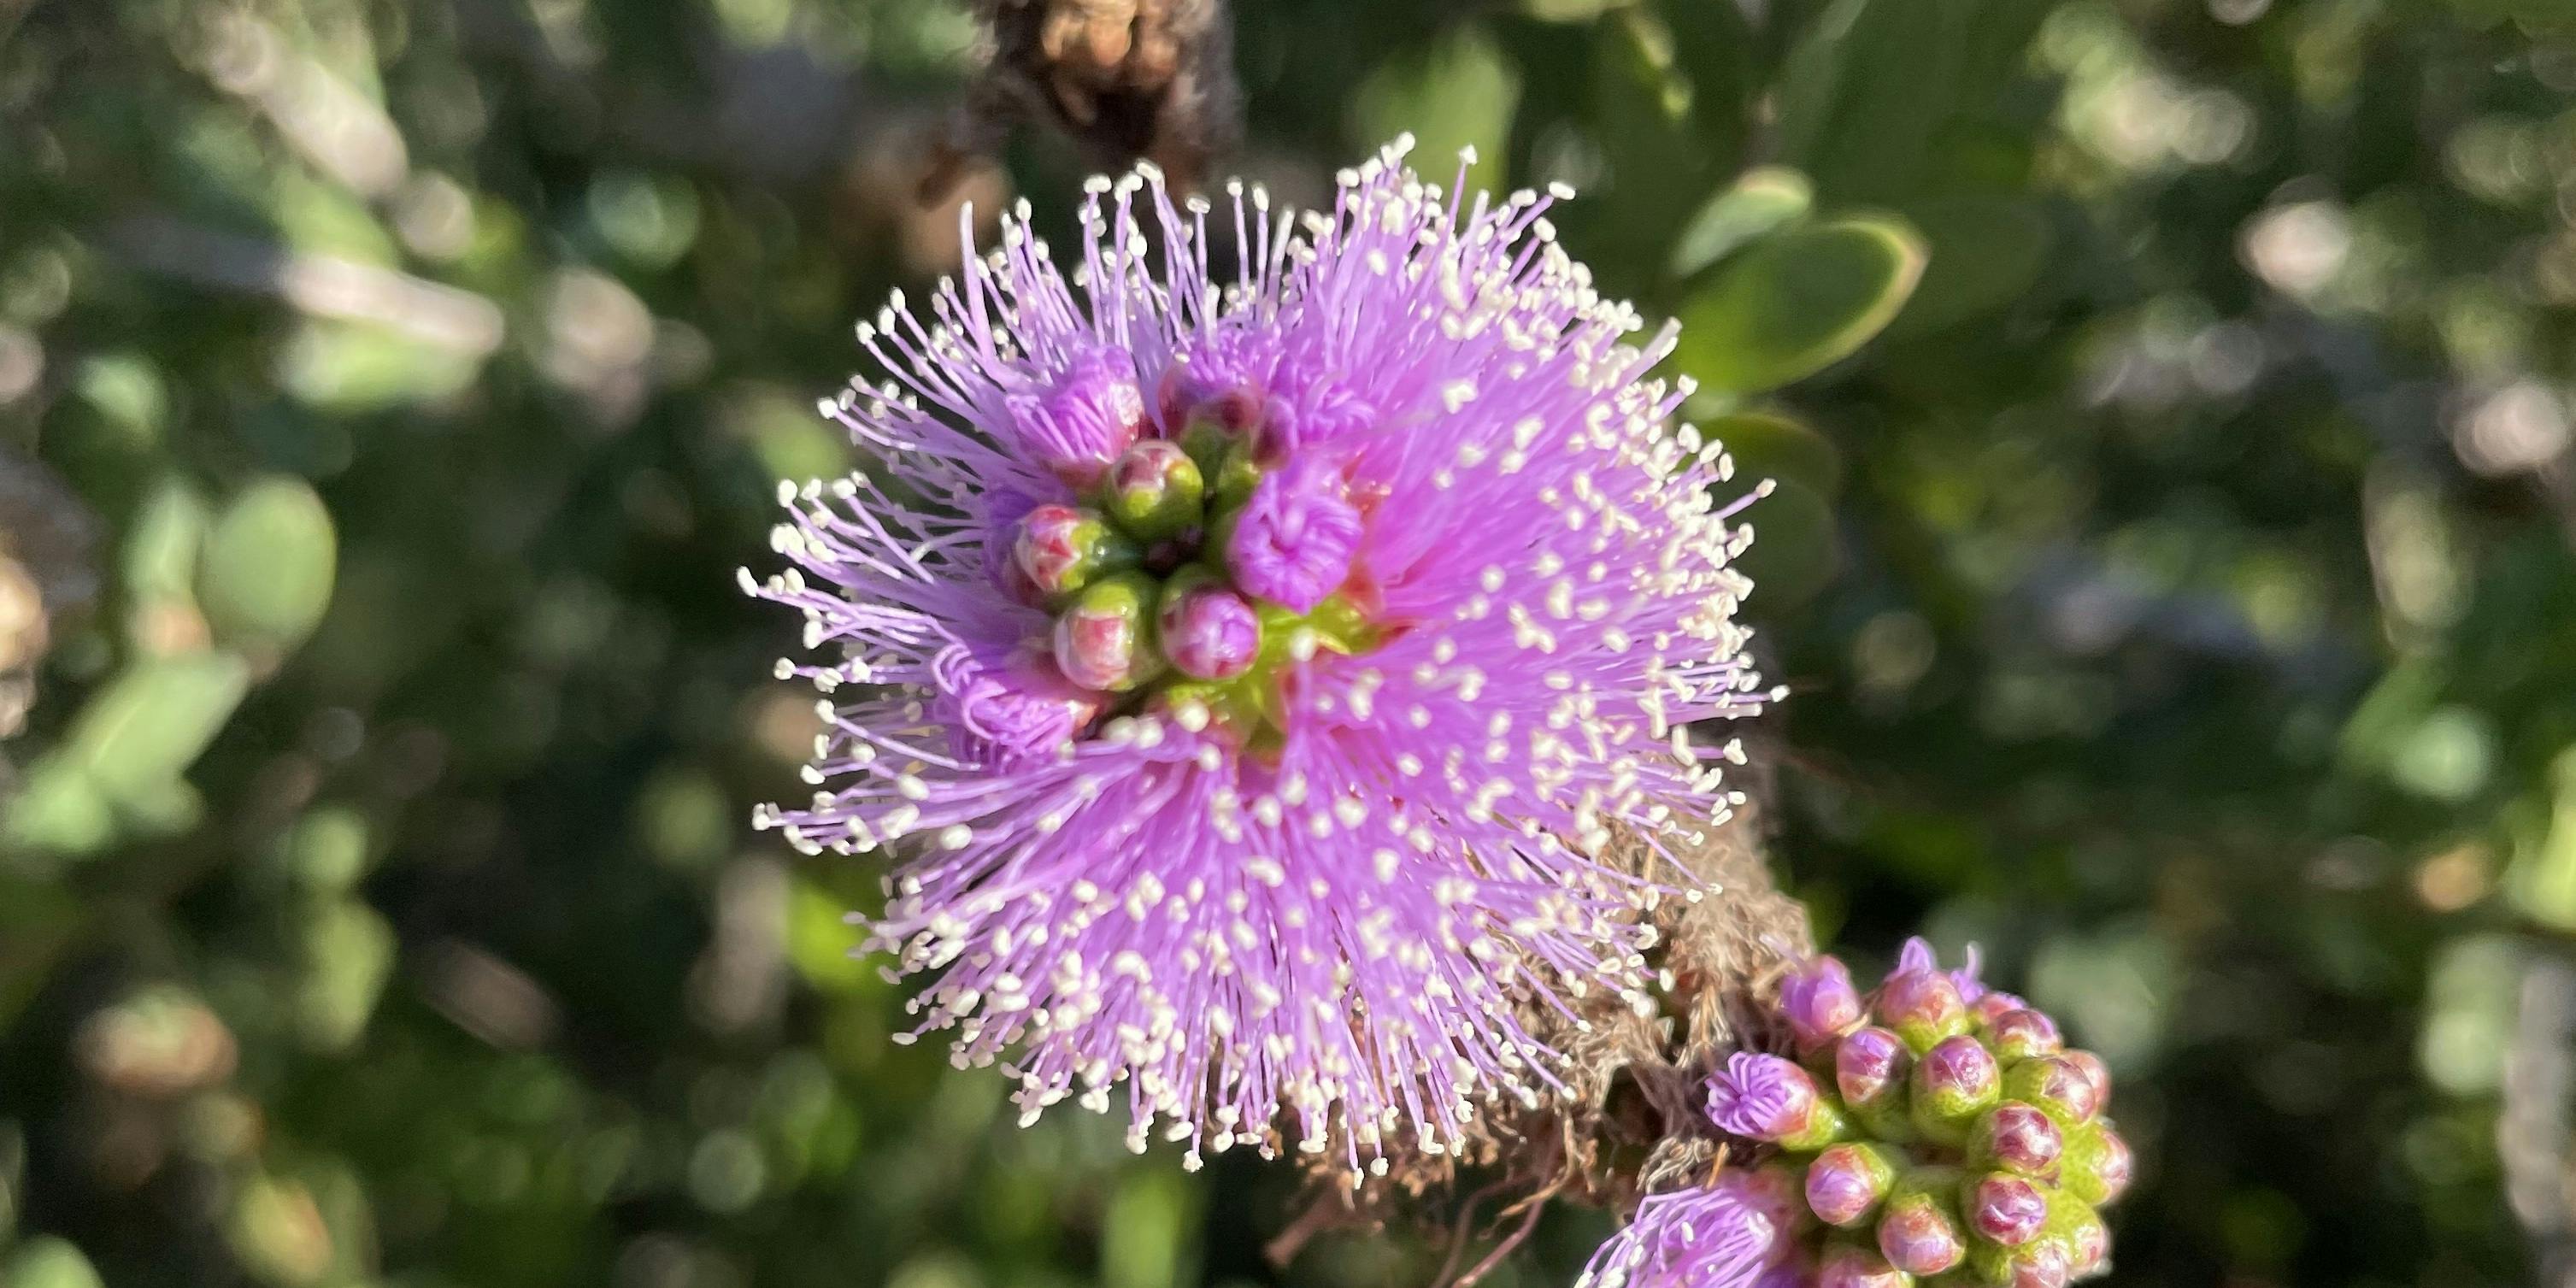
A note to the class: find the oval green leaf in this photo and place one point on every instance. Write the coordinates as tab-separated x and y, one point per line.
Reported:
266	572
1759	201
1793	304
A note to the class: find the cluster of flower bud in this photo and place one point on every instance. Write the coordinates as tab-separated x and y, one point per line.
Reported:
1938	1132
1188	560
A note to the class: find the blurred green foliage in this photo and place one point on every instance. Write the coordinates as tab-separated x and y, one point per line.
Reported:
2178	594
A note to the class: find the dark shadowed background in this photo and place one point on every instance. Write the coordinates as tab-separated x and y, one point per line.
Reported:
2178	596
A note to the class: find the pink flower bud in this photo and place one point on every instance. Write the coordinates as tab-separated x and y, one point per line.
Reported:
2088	1242
1846	1266
1984	1008
2056	1085
1208	631
2021	1033
2019	1138
1918	1236
2095	1072
2098	1164
1923	1006
1155	491
1081	424
1955	1081
1763	1097
2040	1263
1818	998
1847	1182
1001	540
1870	1064
1771	1190
2006	1209
1063	548
1105	639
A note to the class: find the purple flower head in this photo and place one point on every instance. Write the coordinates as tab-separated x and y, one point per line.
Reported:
1016	713
1003	511
1314	407
1761	1097
1818	998
1292	544
1307	902
1093	410
1695	1238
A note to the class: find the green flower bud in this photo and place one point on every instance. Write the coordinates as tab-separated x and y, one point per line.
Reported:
2097	1163
1063	548
1955	1082
2055	1084
1105	638
1154	491
1919	1231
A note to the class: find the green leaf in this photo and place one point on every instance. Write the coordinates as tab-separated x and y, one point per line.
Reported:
1875	93
1768	445
1986	252
1794	552
135	738
58	810
348	952
1795	303
1462	93
1761	200
160	552
352	368
1660	157
49	1263
265	574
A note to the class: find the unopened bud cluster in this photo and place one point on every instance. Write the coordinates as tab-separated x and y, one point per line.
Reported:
1190	563
1940	1133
